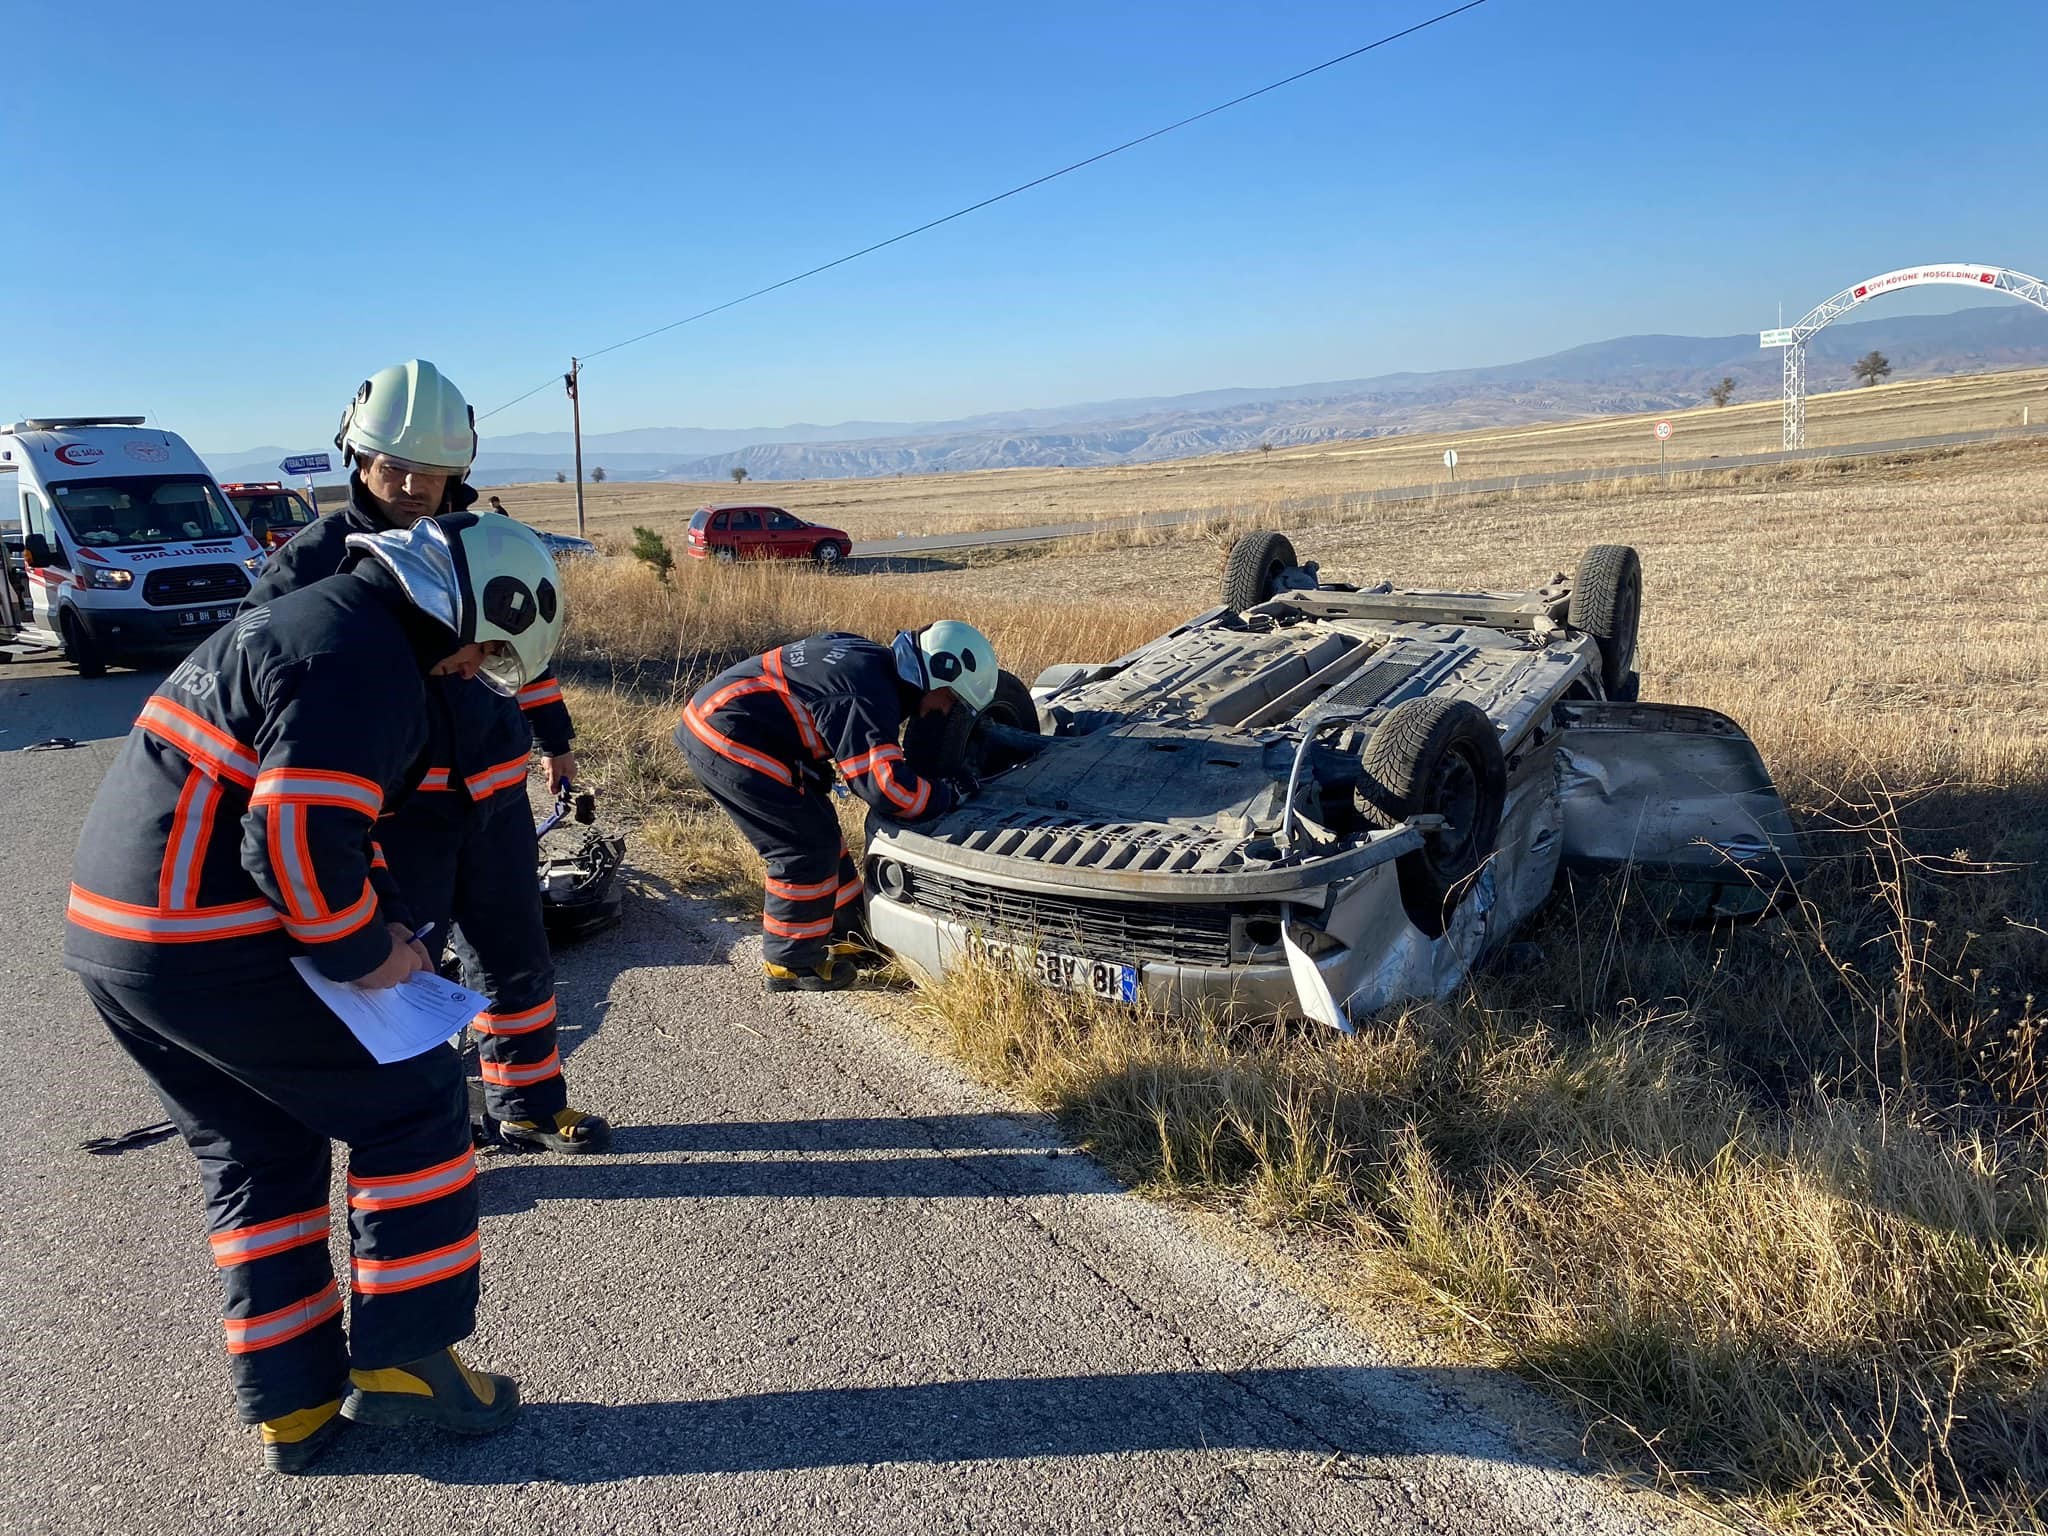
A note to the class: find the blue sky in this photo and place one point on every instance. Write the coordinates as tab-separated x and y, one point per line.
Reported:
228	214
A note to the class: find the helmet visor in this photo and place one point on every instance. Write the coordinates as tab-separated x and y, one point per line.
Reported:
371	461
503	671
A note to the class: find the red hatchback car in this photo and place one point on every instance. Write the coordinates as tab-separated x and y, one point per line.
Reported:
764	533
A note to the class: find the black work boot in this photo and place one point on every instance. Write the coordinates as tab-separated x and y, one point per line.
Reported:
439	1391
567	1130
832	974
294	1442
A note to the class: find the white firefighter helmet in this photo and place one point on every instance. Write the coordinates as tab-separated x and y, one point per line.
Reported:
410	413
949	654
485	578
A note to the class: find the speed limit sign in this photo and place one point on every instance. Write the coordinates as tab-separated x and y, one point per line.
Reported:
1663	430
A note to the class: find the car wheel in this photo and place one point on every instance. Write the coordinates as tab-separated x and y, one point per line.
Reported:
1437	757
829	553
79	648
1252	571
1607	603
941	746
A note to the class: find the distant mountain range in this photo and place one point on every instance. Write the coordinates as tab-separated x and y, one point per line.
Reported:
1629	374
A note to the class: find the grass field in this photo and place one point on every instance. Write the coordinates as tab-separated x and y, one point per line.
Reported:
1769	1206
875	509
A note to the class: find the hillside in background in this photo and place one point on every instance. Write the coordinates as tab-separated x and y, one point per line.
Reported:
1629	374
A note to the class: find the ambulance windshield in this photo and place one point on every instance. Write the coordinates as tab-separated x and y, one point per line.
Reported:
143	509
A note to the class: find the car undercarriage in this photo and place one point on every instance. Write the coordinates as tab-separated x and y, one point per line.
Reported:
1322	800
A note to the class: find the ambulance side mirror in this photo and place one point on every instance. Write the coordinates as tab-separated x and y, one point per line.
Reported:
35	551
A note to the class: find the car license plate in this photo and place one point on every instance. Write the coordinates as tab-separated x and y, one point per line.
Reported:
1069	973
206	615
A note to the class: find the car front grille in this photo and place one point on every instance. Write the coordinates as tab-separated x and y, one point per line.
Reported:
1179	933
194	584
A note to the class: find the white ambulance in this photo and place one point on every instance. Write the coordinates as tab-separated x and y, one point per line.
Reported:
127	546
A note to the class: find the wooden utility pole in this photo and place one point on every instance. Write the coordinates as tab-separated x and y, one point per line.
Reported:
576	417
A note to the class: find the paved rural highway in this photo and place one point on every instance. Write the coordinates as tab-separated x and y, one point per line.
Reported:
822	1285
932	543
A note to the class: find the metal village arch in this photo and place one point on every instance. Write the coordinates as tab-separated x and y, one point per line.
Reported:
1793	338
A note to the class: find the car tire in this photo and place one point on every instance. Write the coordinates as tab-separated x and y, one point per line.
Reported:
1252	570
79	647
942	746
828	554
1437	757
1607	603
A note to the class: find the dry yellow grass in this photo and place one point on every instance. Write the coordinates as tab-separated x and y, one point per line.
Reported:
1769	1205
883	508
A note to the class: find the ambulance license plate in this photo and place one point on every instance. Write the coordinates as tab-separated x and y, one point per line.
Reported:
206	615
1106	979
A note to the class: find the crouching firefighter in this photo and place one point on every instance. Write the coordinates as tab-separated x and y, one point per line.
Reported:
463	849
764	739
235	832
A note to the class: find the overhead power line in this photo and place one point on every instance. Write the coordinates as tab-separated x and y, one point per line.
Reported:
986	202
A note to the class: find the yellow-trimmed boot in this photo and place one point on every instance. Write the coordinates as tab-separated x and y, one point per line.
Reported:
832	974
294	1442
571	1131
439	1391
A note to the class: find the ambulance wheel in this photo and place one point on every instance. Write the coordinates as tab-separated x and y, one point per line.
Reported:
79	648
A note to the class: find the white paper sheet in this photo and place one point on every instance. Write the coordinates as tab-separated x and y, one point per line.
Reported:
401	1022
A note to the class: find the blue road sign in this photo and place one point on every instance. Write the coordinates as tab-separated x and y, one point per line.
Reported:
306	464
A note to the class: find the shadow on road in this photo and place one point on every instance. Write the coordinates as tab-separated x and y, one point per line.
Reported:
514	1186
41	701
899	565
1324	1412
917	1133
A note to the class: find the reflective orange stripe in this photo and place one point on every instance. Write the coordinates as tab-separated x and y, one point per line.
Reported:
854	767
248	1334
848	892
732	751
483	785
305	786
340	925
811	892
524	1023
507	1075
379	1277
534	695
437	778
390	1192
244	1245
153	925
806	728
816	930
292	862
377	859
910	804
185	849
200	740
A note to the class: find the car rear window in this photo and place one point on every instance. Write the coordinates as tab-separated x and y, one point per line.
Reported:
699	519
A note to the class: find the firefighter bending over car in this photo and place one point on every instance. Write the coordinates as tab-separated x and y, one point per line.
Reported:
236	830
764	739
463	849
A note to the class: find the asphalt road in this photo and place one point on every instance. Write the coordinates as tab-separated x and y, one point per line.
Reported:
823	1284
1391	495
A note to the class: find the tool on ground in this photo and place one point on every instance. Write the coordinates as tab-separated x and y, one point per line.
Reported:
579	872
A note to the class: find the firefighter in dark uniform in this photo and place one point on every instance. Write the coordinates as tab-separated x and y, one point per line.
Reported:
764	739
236	831
463	849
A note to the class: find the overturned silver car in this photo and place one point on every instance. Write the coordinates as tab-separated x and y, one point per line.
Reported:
1319	799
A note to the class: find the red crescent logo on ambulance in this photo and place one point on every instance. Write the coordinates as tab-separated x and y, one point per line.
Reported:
79	453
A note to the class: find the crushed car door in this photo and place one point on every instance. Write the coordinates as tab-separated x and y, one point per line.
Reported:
1679	798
